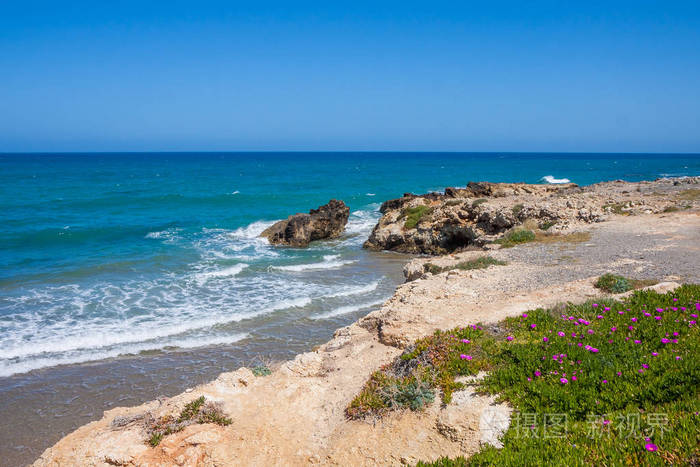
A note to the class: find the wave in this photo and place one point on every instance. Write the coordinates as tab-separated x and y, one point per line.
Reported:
354	290
329	262
343	310
552	180
232	271
9	368
64	338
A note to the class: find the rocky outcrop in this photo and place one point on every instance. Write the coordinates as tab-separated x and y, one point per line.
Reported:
474	216
328	221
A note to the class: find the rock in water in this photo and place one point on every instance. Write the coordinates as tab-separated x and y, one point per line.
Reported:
328	221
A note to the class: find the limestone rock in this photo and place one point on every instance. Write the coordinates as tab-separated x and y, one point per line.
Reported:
328	221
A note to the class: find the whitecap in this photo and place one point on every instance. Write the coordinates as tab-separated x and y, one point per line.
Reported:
551	179
232	271
10	367
328	263
343	310
354	290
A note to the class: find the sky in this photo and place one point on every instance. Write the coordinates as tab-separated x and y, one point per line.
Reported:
594	76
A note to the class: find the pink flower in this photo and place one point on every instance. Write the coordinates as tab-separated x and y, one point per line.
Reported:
655	354
636	341
657	318
538	373
619	373
651	447
590	331
561	334
678	358
620	312
634	319
563	380
599	316
465	357
524	315
533	325
573	378
594	350
509	338
613	329
595	305
605	381
465	341
644	365
545	339
664	340
607	308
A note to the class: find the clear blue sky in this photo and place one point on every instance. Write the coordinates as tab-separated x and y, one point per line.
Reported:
260	75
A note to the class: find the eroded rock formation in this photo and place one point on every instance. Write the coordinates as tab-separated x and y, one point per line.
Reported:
437	223
328	221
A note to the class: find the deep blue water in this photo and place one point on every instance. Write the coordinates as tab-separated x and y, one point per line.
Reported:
107	254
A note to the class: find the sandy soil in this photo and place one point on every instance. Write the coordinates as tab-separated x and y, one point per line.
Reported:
296	415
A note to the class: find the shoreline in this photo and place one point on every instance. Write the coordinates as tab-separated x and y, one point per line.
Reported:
296	415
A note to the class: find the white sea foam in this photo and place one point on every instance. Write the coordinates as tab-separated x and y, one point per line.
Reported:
12	367
343	310
551	179
221	273
349	291
168	235
329	262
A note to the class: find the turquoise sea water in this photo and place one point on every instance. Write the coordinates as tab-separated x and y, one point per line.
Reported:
103	255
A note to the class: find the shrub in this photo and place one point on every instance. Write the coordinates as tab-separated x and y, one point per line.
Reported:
515	237
613	283
414	215
478	263
672	209
261	370
547	225
196	411
517	208
478	202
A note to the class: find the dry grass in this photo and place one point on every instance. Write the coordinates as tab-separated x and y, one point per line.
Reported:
692	194
575	237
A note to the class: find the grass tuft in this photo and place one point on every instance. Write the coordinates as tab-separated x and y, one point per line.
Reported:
478	263
516	237
414	215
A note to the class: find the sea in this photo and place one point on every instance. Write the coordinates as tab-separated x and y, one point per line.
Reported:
124	276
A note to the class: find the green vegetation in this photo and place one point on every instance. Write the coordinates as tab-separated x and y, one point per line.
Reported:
478	202
516	237
414	215
478	263
672	209
546	225
261	370
196	411
623	374
613	283
517	208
